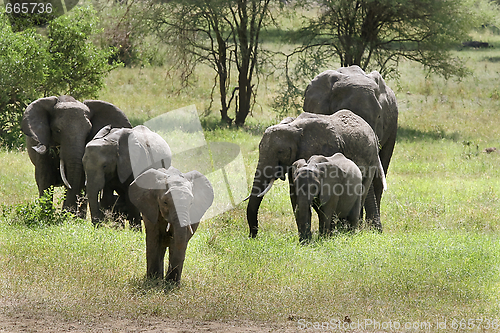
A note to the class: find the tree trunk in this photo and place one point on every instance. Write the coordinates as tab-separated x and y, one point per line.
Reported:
245	96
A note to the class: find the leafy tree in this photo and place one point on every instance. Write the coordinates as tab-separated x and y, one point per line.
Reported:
223	34
363	32
23	60
33	65
76	66
377	34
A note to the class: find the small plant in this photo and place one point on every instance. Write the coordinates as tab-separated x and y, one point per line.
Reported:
40	213
471	149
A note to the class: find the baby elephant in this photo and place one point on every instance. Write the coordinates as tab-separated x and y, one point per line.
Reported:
333	186
172	205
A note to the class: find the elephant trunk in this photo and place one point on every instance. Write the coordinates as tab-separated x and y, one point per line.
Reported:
252	212
94	187
183	215
71	159
261	185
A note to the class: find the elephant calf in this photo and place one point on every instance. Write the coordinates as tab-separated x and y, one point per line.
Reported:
172	205
333	185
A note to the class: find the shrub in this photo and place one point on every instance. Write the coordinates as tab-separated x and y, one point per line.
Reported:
23	61
32	65
76	66
40	213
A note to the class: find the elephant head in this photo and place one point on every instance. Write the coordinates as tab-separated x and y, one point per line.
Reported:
114	158
57	129
172	205
351	88
366	95
307	135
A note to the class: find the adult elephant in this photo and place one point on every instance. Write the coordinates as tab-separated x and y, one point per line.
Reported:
57	130
313	134
172	204
366	95
114	158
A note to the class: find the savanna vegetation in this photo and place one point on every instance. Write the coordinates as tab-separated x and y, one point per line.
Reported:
437	259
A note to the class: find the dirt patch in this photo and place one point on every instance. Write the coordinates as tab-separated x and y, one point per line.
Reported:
16	318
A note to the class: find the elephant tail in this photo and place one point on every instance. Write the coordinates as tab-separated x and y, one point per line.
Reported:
382	174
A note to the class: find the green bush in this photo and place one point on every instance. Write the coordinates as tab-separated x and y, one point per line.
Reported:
39	213
76	66
61	60
23	61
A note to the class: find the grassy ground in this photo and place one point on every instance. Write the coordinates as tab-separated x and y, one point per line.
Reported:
438	258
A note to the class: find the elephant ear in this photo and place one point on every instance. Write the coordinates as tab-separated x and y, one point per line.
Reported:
143	192
203	195
35	123
104	113
154	148
102	132
124	167
375	76
297	165
287	120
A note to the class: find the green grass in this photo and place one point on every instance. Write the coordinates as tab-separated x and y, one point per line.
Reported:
438	258
78	271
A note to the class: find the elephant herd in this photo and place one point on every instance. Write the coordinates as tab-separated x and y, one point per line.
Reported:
91	147
336	155
350	116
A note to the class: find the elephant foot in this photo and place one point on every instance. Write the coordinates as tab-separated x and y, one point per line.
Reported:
375	225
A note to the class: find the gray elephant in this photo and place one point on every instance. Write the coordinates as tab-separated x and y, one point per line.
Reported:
57	130
114	158
366	95
313	134
334	183
172	205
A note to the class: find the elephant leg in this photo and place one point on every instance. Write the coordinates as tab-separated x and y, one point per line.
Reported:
82	201
372	210
177	254
45	174
75	201
302	213
316	206
354	215
327	214
293	193
155	252
133	215
325	222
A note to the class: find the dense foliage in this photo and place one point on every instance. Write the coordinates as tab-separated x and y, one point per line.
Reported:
60	61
